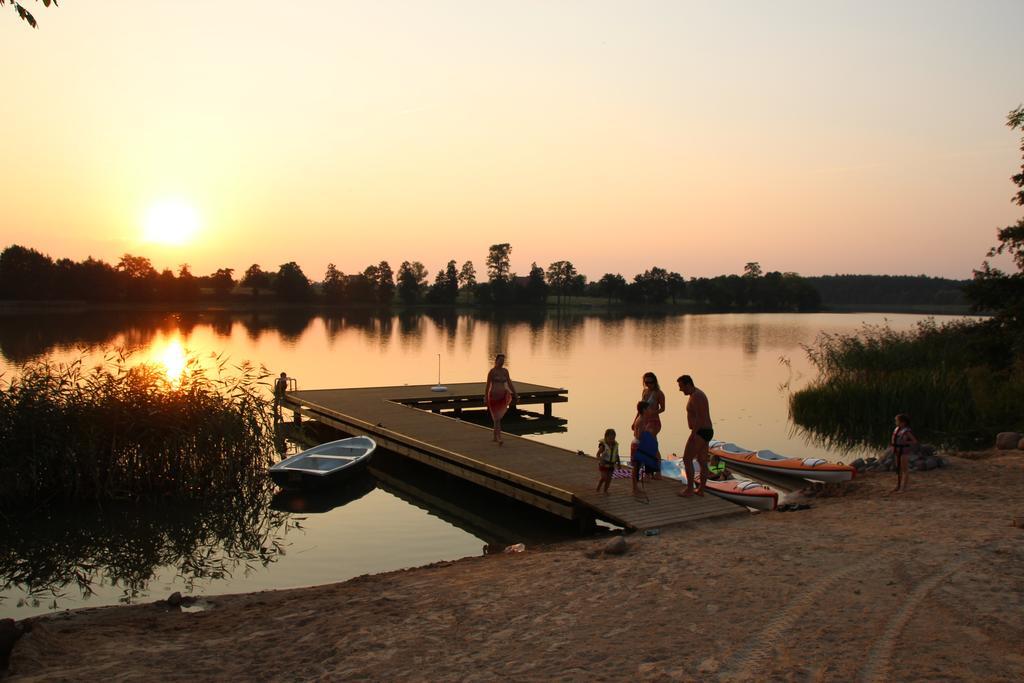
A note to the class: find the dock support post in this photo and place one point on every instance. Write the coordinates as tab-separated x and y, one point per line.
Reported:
585	522
547	409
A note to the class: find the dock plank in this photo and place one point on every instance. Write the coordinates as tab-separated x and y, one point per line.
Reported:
555	479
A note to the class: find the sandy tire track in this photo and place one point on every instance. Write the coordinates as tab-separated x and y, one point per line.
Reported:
879	659
758	653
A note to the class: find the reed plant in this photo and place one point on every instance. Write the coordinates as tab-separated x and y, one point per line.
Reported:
960	382
120	431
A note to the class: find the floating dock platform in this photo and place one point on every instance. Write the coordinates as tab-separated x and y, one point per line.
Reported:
424	425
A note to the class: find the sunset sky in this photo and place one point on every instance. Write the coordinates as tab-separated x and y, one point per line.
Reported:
816	137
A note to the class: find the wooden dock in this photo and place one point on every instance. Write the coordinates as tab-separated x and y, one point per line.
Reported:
408	420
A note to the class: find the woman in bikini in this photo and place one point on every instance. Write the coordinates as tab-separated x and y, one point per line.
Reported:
654	397
499	394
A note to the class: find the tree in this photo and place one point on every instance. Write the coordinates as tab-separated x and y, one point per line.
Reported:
385	284
223	281
256	279
536	290
24	13
992	289
676	286
498	263
445	289
652	285
334	284
499	275
140	277
412	280
560	277
611	286
25	273
467	276
291	284
752	269
188	286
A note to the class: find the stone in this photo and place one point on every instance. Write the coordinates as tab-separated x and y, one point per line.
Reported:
926	449
648	669
10	631
708	666
859	464
1006	441
174	599
616	546
931	462
1020	444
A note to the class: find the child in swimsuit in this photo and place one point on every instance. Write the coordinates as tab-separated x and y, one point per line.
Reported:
902	441
607	458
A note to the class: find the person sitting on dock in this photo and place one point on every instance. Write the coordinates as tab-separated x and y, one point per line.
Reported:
607	458
280	389
499	394
717	471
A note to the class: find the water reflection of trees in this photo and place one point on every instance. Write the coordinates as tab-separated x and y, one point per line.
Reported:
32	336
42	556
27	337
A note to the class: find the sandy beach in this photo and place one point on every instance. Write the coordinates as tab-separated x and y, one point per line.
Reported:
865	586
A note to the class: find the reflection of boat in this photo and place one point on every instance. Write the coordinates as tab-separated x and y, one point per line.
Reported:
324	465
811	469
324	500
740	491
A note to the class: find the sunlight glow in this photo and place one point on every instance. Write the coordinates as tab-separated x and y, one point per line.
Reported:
170	221
173	358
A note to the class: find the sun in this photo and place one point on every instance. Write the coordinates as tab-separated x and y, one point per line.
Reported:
170	221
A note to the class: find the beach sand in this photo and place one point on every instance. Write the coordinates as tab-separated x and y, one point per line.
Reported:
928	585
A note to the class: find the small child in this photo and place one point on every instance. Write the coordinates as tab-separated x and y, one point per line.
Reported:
607	458
903	440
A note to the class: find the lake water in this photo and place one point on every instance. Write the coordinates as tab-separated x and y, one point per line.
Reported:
746	363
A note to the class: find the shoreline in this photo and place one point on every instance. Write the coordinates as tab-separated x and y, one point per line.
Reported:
273	306
853	587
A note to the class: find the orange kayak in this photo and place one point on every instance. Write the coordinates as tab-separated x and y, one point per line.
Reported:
740	491
811	469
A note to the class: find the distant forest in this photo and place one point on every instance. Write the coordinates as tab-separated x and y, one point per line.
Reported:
28	275
889	290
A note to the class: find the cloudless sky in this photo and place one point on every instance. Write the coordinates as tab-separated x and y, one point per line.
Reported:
816	137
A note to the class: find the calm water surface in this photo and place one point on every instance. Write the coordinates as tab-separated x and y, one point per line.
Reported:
746	363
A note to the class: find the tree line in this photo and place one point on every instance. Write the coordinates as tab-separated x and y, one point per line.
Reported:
27	274
893	290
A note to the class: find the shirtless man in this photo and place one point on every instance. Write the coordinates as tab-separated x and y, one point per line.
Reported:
698	417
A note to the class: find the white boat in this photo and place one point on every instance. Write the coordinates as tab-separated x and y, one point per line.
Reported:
324	465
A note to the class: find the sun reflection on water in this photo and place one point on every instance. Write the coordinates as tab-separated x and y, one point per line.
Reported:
171	354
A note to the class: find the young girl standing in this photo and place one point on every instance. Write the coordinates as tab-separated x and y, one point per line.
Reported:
902	441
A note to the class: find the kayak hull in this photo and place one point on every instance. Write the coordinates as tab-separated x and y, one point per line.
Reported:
812	469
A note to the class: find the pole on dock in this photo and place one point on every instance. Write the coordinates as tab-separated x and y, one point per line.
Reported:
439	387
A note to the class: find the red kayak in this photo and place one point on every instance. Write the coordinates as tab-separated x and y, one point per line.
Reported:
740	491
811	469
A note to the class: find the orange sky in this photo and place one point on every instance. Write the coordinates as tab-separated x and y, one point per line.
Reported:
815	137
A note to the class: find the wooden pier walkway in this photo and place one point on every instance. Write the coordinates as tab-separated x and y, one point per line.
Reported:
408	420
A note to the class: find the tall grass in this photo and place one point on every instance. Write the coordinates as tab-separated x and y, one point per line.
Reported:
960	383
119	431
